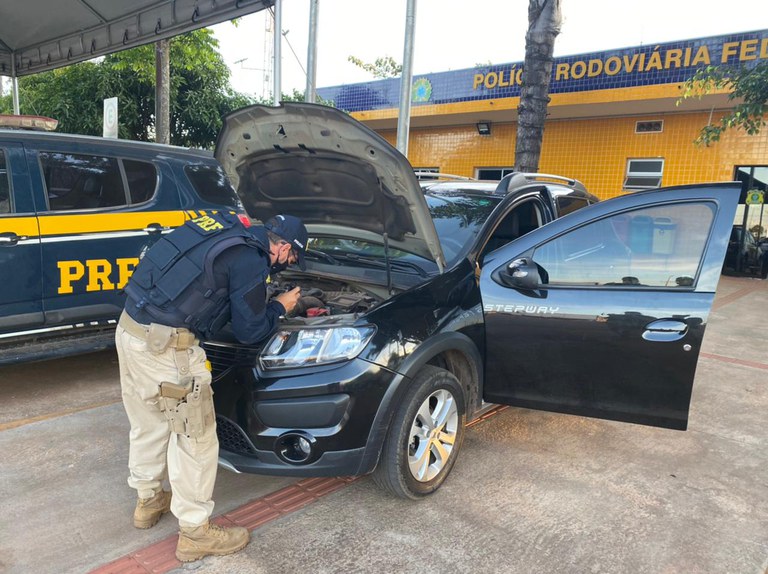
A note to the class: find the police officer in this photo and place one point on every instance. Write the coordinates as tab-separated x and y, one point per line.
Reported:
209	272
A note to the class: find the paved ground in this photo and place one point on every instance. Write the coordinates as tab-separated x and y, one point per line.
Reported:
531	492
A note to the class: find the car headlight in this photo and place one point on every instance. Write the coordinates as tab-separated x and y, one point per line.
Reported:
303	347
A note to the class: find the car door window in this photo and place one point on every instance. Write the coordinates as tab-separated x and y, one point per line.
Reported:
659	246
568	204
523	219
5	186
75	181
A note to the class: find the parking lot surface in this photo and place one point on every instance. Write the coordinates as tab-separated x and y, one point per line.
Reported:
531	491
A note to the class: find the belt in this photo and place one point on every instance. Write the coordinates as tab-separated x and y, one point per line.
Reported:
181	338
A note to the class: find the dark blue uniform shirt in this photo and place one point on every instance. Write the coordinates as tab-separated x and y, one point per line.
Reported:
244	269
241	272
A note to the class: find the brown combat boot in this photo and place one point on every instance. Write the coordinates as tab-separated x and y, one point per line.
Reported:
149	510
210	540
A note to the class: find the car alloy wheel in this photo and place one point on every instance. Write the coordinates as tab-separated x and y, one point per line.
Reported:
425	435
433	434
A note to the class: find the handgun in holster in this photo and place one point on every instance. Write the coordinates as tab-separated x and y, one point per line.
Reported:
188	407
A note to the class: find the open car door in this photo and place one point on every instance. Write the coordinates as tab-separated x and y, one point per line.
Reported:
602	313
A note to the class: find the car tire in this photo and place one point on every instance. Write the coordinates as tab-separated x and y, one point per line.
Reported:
425	436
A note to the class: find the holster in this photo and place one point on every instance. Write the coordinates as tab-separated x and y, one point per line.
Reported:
188	408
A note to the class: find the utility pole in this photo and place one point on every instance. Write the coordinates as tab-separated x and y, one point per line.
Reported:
406	79
310	94
162	91
277	83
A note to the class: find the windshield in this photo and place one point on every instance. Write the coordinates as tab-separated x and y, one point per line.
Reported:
457	218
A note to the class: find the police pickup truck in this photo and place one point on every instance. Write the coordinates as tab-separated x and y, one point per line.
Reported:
76	212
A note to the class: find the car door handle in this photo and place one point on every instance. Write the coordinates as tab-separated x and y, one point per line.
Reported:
11	238
665	330
155	228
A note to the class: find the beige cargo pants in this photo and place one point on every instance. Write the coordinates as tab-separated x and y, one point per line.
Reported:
155	451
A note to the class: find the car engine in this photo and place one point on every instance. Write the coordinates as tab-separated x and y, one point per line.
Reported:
327	298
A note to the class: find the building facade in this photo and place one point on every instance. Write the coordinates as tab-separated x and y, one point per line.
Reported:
616	121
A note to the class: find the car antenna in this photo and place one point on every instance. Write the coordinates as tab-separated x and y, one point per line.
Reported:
386	260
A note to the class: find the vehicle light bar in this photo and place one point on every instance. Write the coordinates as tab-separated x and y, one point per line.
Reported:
28	122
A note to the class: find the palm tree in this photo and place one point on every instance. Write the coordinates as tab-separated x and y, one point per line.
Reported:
544	20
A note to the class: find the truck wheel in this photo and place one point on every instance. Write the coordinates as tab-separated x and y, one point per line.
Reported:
425	436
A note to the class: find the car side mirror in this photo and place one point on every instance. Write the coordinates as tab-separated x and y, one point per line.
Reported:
521	273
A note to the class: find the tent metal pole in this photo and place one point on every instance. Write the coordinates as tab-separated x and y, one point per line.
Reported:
14	85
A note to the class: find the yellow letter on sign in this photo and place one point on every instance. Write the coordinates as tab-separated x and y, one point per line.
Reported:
69	271
98	275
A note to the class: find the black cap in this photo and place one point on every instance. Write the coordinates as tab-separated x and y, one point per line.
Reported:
293	231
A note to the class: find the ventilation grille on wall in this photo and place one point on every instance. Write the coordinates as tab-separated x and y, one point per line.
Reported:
651	127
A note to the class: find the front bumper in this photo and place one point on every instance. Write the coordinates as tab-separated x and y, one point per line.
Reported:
338	463
263	421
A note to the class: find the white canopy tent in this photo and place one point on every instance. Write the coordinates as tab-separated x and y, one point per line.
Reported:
40	35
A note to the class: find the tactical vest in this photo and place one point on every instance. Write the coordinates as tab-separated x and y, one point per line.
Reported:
174	283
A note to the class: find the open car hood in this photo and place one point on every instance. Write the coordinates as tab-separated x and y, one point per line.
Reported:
341	178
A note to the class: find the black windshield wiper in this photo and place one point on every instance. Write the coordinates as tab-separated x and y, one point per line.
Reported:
394	263
327	257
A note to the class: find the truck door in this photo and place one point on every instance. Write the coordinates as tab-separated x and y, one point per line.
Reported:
95	228
602	313
20	258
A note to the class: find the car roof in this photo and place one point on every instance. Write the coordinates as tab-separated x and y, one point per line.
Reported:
559	191
486	188
38	136
459	186
558	186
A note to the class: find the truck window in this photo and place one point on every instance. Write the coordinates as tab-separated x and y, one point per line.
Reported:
142	179
212	185
75	181
5	186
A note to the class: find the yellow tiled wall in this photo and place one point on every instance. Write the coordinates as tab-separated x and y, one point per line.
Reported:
593	150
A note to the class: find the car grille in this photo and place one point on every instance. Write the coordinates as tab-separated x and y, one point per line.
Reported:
224	356
232	438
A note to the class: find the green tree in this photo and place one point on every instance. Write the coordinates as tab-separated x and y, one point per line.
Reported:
747	90
200	93
294	96
385	67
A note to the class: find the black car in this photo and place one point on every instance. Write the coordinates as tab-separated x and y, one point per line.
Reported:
420	309
745	253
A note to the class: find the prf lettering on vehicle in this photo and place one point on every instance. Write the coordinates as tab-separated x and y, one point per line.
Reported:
207	223
98	272
529	309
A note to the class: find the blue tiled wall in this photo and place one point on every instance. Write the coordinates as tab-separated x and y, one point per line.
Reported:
627	67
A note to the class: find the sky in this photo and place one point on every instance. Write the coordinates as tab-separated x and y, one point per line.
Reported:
456	34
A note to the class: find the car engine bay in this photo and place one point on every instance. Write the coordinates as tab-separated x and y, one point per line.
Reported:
325	298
